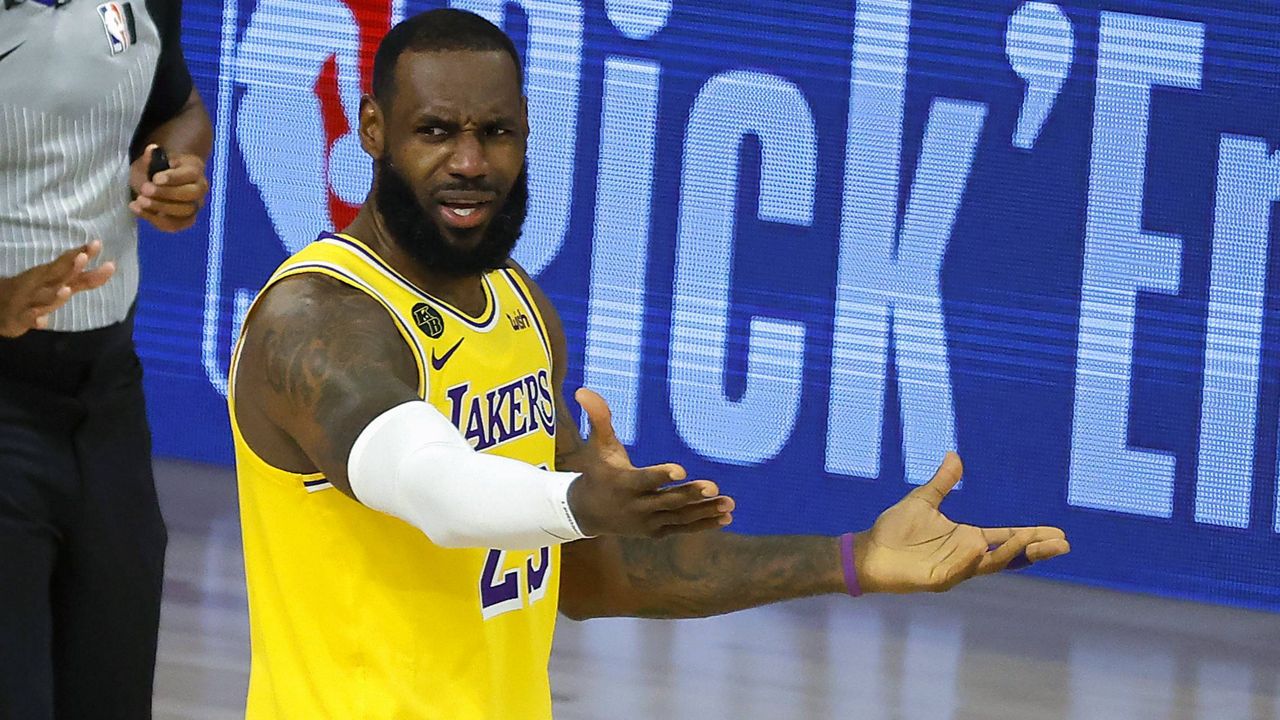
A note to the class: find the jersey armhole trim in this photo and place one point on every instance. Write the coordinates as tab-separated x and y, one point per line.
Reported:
522	291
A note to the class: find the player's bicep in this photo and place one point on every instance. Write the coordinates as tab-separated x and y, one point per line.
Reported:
325	360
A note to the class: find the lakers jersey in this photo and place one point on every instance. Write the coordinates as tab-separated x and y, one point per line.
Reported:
355	614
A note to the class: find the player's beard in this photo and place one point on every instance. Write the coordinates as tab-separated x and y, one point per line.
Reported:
418	234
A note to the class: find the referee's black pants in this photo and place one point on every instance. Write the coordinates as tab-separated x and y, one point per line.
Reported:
81	538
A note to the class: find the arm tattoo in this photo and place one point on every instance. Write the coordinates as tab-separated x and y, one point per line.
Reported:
303	365
718	572
332	359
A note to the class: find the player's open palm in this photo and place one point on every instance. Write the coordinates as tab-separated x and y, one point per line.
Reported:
614	497
912	546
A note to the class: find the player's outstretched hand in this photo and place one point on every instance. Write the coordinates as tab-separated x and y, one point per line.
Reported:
614	497
913	547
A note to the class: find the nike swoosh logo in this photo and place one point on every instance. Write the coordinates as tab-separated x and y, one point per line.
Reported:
438	362
9	52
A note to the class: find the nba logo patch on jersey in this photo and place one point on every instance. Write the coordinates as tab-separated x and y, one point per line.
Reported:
115	20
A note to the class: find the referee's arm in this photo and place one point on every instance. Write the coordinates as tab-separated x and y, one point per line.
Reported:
175	119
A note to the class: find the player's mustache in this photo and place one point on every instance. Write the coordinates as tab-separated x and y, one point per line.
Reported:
476	185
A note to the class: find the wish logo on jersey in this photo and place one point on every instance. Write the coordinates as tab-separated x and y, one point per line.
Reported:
504	413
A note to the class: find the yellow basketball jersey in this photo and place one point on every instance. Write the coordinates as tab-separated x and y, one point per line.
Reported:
355	614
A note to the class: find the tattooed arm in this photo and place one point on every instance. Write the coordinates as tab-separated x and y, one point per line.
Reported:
686	576
912	546
319	361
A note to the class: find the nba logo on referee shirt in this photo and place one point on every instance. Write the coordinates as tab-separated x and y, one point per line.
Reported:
115	21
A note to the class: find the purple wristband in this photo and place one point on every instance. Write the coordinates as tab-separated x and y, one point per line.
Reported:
846	560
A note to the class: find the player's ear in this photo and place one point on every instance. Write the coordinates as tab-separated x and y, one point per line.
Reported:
524	115
372	127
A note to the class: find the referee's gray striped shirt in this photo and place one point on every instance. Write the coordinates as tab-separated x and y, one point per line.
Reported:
69	107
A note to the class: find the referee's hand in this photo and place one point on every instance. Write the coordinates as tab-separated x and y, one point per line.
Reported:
171	199
27	299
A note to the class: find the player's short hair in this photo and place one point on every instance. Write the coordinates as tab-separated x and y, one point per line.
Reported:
435	31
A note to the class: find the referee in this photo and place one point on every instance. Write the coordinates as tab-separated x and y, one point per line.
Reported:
89	92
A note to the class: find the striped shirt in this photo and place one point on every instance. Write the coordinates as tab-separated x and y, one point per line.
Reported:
80	85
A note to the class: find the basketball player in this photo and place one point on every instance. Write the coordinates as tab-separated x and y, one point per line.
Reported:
416	500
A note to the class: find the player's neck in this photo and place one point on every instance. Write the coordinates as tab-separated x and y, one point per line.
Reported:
464	293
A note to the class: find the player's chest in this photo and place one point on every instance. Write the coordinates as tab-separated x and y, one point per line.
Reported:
494	386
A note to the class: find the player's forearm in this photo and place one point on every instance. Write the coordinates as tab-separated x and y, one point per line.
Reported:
703	574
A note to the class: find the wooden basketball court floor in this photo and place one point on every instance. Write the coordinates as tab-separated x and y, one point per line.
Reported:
1004	648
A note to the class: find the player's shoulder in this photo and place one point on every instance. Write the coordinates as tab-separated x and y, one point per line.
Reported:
312	321
539	297
312	302
519	270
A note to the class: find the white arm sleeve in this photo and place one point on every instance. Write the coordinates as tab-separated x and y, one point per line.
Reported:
411	462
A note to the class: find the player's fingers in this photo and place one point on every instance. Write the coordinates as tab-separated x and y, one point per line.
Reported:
1036	551
970	569
999	558
995	536
675	472
713	523
78	265
1018	562
713	509
648	479
670	498
1045	549
599	417
935	491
